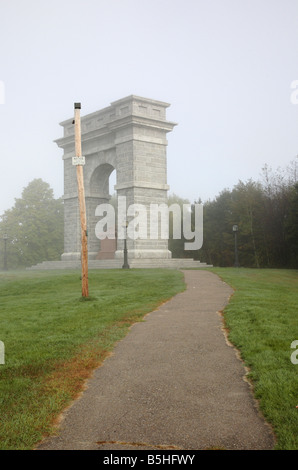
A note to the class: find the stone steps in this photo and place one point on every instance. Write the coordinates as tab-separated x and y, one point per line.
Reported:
171	263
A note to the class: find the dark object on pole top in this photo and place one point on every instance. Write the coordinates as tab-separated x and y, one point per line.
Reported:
77	106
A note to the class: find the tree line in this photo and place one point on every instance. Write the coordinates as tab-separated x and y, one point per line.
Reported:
266	213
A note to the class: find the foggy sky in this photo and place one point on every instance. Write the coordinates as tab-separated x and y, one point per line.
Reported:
226	67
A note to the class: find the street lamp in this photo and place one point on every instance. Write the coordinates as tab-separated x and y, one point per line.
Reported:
235	230
125	264
5	238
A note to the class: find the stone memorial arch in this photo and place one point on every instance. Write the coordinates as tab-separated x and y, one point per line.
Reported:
129	136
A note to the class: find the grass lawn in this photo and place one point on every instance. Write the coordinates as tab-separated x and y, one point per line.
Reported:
53	339
262	319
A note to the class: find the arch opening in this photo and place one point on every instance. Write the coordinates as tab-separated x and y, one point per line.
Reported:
102	183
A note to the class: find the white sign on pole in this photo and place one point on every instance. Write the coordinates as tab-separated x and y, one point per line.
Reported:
78	160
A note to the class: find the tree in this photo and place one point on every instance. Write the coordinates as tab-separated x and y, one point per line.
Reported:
291	226
248	210
218	220
176	246
277	189
34	226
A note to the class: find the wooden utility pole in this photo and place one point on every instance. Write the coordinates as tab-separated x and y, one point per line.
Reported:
79	162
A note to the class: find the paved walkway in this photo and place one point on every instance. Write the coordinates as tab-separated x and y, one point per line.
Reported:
172	382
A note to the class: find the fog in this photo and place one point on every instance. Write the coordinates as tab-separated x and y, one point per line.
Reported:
225	66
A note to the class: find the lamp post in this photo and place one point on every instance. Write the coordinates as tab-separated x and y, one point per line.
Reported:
5	238
235	230
125	264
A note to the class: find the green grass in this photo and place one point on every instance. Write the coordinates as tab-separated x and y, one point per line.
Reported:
53	340
262	319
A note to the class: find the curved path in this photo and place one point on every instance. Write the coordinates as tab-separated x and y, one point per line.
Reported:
172	383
